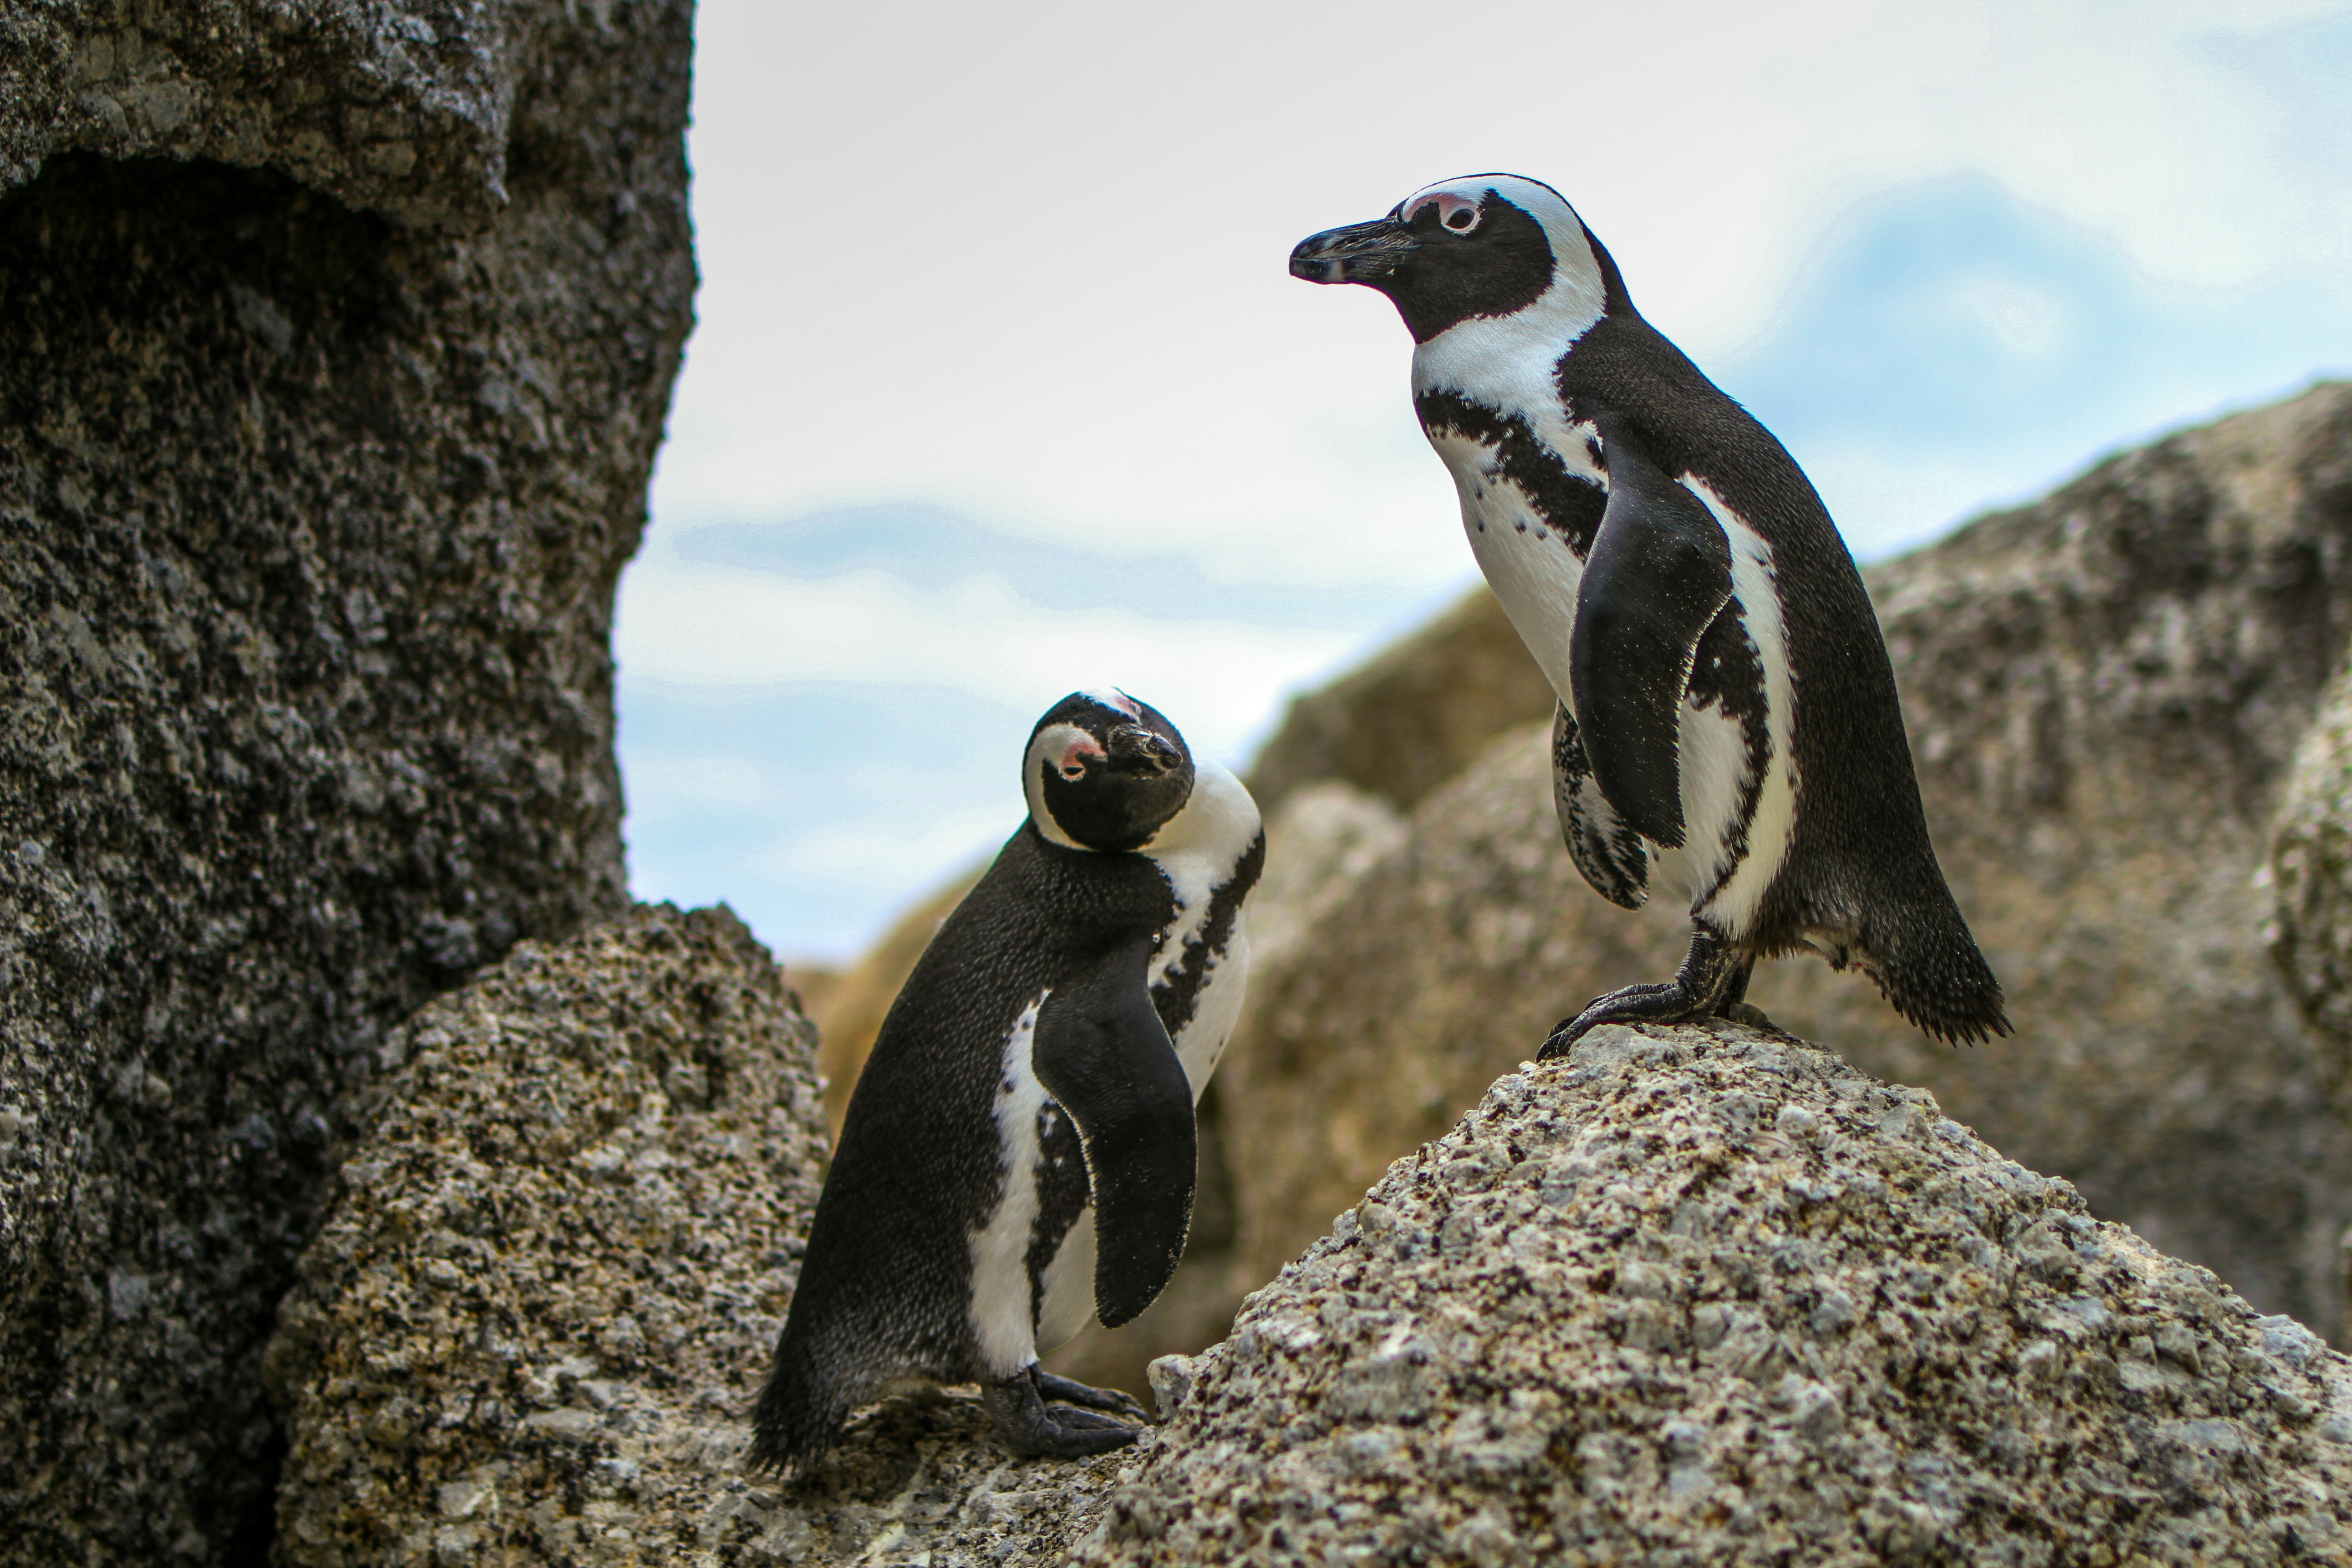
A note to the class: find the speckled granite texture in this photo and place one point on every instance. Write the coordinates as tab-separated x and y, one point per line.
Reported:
317	462
552	1280
402	108
1705	1295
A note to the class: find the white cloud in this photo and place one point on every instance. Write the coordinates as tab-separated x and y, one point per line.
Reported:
717	626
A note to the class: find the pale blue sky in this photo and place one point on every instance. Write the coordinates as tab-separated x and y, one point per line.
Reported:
1001	387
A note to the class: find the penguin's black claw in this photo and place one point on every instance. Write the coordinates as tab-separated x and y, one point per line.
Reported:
1662	1003
1713	980
1024	1426
1069	1391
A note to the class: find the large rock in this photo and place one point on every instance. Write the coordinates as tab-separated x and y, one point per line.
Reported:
2105	690
327	419
1706	1295
549	1286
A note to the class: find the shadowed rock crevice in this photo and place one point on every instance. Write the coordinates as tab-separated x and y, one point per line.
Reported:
309	520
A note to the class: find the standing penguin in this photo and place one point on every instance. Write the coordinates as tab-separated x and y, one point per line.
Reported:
1726	702
1018	1154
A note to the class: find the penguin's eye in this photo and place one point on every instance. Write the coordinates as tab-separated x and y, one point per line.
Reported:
1073	764
1458	214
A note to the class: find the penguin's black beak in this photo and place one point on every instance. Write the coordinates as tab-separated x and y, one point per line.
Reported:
1136	750
1360	253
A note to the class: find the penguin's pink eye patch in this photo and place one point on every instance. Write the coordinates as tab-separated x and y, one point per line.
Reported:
1074	756
1457	213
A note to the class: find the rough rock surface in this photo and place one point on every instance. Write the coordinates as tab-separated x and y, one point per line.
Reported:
309	520
1707	1295
2105	690
2311	865
552	1280
406	109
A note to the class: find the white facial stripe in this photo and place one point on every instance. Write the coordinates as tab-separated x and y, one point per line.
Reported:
1509	363
1457	212
1054	746
1112	697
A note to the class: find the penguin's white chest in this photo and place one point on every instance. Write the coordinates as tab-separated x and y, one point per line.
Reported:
1527	561
1737	771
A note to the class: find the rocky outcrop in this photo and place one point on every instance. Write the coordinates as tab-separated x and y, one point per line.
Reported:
551	1281
335	342
1703	1292
2105	690
1706	1295
406	110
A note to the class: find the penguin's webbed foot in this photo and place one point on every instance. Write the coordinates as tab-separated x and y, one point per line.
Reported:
1069	1391
1026	1426
1713	981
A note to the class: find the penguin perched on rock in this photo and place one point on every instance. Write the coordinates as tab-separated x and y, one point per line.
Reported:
1725	703
1018	1154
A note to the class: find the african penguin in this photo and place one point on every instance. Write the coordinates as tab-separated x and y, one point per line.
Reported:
1018	1154
1726	706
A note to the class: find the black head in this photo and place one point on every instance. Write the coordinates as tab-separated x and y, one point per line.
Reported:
1480	247
1105	772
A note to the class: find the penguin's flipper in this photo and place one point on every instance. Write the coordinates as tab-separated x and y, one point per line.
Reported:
1101	1051
1609	853
1659	571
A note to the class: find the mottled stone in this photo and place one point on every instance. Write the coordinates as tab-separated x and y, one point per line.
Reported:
403	109
312	499
1707	1295
2311	866
549	1286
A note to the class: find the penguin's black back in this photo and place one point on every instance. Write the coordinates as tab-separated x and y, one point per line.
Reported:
1860	862
886	1283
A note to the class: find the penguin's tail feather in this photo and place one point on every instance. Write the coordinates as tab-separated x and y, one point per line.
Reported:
800	1411
1930	969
